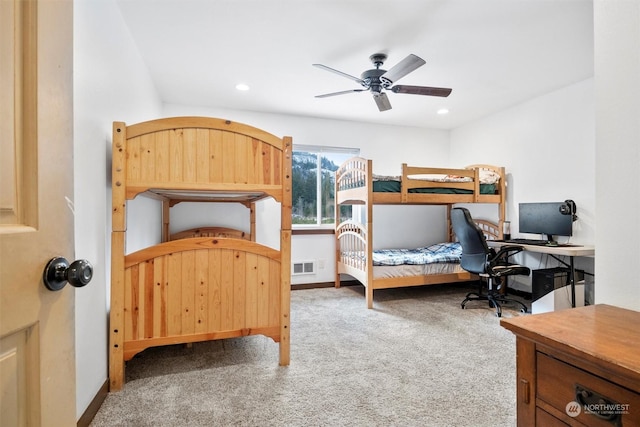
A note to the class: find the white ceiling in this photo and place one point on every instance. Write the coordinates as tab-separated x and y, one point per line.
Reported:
493	53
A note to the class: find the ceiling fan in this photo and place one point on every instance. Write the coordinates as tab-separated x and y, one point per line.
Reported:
377	80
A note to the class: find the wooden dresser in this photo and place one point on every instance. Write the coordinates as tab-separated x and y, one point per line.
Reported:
579	366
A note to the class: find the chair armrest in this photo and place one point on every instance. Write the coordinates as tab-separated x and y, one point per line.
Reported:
504	253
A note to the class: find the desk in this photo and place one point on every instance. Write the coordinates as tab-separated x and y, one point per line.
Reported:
555	251
589	355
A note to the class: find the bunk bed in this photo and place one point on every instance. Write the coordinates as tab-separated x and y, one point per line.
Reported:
357	185
209	282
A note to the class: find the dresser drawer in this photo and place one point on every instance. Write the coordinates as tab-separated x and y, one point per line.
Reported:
558	383
546	420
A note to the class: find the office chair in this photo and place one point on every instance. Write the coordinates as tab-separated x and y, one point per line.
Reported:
479	258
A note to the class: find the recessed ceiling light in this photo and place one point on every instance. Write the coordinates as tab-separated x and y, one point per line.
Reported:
443	111
242	86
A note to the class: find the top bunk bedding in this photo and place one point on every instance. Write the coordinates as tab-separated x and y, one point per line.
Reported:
393	184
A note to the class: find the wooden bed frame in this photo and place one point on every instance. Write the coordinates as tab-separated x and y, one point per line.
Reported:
205	283
354	186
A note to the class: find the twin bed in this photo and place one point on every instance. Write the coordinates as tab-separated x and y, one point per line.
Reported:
204	283
357	185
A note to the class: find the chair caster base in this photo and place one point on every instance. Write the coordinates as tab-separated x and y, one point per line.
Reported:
494	301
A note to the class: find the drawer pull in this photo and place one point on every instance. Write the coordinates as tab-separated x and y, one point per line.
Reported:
524	390
598	405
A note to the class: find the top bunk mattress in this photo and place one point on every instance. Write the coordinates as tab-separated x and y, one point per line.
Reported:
388	186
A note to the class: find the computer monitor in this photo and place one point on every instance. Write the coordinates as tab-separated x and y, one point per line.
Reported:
549	219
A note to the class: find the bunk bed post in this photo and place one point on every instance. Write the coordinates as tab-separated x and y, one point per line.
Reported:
336	210
502	208
450	235
369	213
252	221
285	252
404	191
165	220
118	227
476	184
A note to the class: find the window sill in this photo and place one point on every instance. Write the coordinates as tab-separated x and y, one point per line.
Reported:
311	231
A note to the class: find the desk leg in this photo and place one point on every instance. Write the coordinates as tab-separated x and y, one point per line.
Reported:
572	281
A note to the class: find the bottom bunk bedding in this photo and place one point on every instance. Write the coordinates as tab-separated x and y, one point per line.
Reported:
441	252
438	259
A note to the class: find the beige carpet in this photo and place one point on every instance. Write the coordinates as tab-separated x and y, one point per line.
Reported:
416	359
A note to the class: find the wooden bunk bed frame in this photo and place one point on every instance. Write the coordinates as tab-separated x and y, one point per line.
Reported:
354	186
205	283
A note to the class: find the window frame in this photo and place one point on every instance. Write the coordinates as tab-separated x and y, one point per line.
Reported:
320	151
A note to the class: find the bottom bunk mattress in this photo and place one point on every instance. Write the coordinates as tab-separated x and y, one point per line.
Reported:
441	258
406	270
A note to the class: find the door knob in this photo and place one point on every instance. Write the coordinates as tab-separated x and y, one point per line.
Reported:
58	272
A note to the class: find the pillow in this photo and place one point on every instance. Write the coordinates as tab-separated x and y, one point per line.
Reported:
440	178
488	177
385	177
456	178
446	247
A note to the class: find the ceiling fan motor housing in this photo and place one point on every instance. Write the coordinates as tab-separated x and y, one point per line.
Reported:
372	80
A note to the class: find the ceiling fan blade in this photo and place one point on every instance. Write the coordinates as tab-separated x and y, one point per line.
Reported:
326	95
382	101
349	76
421	90
403	68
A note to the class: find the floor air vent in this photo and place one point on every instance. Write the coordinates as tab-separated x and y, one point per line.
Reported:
304	267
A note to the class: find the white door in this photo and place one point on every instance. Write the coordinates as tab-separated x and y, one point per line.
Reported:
37	347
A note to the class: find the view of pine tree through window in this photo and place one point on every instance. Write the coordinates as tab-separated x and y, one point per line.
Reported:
314	184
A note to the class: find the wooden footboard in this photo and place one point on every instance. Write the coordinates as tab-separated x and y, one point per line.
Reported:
352	251
200	289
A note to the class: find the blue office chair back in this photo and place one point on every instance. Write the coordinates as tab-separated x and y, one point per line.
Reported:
475	251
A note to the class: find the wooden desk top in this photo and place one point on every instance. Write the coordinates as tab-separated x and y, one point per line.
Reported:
577	250
596	334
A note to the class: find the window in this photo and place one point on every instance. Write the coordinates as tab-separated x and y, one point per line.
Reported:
313	179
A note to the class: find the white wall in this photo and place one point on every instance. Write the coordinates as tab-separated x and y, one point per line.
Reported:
386	145
547	146
617	94
110	84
